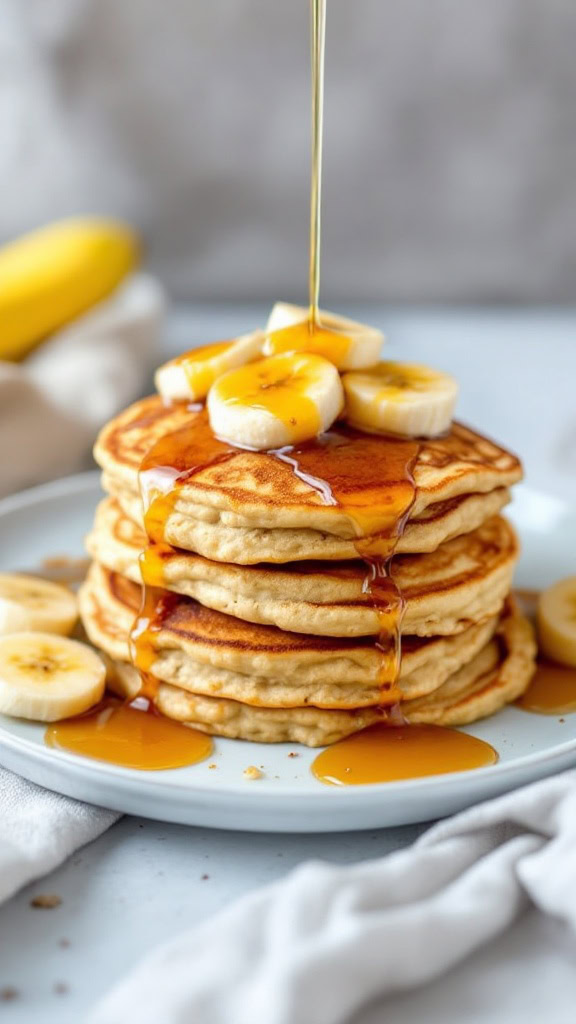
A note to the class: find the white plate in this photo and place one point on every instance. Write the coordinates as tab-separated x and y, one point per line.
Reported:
52	520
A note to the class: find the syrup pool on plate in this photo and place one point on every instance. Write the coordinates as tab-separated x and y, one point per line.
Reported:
131	736
552	690
385	753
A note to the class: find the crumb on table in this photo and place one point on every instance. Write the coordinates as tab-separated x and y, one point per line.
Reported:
8	993
252	772
45	901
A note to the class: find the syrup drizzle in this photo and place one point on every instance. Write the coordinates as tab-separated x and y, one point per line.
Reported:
307	336
277	386
156	606
369	478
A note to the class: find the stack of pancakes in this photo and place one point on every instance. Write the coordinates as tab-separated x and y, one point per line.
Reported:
268	631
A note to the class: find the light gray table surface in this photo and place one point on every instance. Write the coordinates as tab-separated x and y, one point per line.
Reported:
143	882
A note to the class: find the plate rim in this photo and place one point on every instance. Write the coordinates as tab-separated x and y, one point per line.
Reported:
76	482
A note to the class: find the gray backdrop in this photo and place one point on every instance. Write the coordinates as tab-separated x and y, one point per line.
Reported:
450	153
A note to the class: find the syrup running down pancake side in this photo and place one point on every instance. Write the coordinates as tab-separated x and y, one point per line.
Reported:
368	477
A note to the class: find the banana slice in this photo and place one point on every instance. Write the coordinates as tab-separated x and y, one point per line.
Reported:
346	343
400	398
191	375
28	603
276	401
45	678
557	621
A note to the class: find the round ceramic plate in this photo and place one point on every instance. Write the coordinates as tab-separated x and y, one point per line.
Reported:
52	520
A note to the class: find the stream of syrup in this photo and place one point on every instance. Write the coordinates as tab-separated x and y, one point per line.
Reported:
318	37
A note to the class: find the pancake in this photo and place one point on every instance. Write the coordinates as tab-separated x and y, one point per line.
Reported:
465	698
251	507
465	580
496	676
213	654
241	546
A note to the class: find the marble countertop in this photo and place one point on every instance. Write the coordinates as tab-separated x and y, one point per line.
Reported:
142	882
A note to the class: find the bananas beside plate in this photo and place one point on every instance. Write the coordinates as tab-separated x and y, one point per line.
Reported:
557	621
30	604
44	676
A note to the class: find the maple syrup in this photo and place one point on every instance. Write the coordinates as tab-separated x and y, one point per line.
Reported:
307	336
198	371
156	605
318	36
276	386
387	753
130	735
552	690
369	478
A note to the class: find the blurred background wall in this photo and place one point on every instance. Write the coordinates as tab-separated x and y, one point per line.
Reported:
450	146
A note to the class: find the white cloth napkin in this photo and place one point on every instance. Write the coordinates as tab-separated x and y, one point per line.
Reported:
319	945
52	404
40	829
